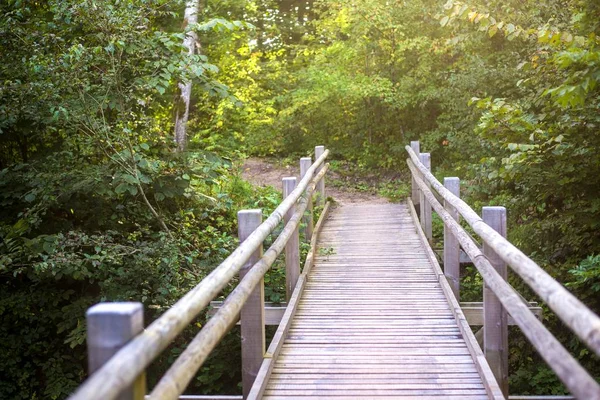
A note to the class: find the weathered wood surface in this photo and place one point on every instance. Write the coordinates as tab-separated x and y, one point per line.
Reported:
177	378
495	318
414	188
571	310
292	247
279	337
129	362
451	246
373	320
566	367
252	315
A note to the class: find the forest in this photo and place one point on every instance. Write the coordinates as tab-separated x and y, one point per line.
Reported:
101	200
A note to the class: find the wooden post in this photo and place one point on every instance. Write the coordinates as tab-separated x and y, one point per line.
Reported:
495	320
319	150
252	316
109	327
451	246
305	163
416	147
292	248
424	204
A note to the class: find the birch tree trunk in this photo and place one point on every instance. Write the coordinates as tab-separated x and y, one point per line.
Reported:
182	103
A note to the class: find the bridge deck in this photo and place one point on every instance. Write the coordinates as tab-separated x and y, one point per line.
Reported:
373	320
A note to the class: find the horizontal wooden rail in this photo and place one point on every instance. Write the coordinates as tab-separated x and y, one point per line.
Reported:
569	309
473	311
488	378
131	361
176	379
570	372
277	342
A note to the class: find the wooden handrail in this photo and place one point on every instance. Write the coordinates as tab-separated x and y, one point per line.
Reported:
274	349
569	309
132	360
571	373
176	379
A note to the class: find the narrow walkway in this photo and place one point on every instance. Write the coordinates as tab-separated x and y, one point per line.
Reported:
373	321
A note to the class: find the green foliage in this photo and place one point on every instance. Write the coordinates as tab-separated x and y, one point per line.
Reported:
95	205
586	275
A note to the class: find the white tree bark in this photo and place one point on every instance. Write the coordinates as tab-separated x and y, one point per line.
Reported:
182	103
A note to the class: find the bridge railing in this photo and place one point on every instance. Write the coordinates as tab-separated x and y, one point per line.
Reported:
499	297
120	349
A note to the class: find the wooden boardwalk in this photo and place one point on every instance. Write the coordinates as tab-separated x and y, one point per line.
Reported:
373	320
371	316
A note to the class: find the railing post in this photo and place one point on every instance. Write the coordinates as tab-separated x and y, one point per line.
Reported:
495	328
292	248
416	147
319	150
109	327
252	316
425	207
305	163
451	246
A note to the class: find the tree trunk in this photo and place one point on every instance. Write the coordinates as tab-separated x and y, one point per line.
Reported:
182	103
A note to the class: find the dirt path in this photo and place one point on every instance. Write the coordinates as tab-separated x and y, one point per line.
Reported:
262	173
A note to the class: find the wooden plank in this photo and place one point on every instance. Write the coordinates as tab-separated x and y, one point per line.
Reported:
474	312
319	151
491	385
372	391
123	369
579	318
266	368
292	248
305	163
373	316
252	316
184	368
414	188
495	326
273	312
425	214
577	379
394	397
110	326
451	246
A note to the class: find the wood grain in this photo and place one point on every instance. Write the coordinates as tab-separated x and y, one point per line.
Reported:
129	362
373	320
566	367
570	310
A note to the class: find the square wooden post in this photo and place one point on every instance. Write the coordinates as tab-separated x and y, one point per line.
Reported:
252	316
425	207
416	147
110	326
495	319
292	248
451	246
319	150
305	163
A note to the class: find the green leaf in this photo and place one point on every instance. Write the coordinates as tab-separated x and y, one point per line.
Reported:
444	21
122	188
129	179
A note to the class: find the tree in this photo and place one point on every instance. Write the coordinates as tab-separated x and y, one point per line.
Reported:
182	103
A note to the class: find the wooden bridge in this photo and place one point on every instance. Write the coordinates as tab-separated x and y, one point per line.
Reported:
370	315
